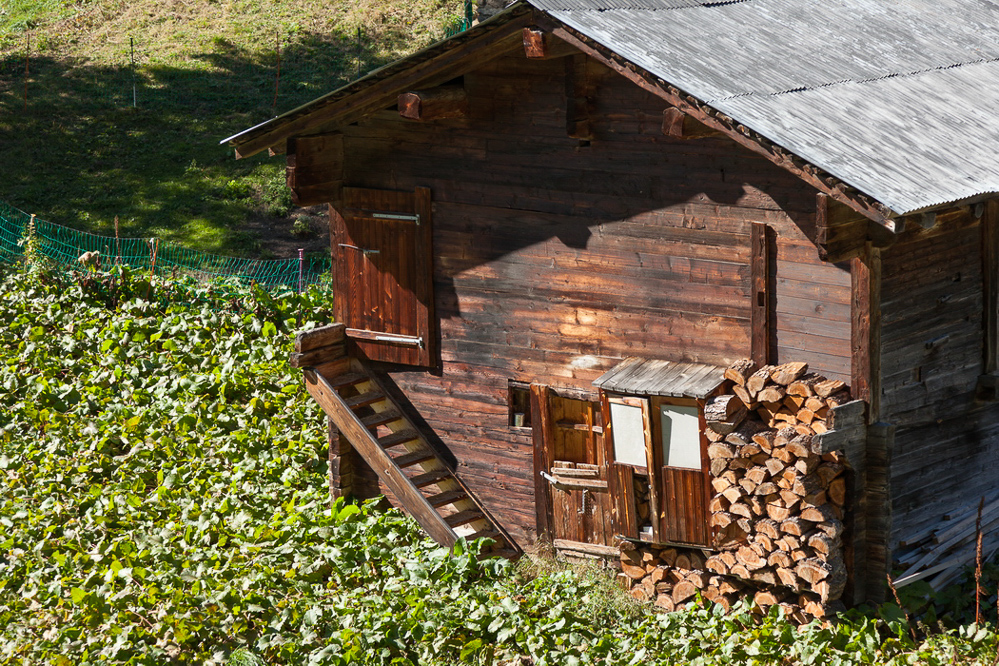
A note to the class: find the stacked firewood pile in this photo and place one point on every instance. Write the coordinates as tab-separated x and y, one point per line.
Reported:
643	506
778	506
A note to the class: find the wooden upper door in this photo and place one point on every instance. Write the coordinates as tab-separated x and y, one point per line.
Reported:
383	273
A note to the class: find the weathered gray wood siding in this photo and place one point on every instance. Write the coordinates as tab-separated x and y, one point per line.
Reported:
946	447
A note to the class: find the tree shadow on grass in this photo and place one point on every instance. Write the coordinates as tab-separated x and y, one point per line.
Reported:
81	144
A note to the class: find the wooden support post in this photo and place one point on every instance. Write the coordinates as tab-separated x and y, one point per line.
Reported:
880	441
434	104
349	474
578	98
763	338
865	342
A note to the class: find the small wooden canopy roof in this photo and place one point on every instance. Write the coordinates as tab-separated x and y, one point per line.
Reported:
655	377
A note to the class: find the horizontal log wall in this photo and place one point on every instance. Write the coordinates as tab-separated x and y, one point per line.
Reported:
555	257
946	446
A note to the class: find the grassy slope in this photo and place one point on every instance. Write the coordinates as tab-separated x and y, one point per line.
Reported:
79	154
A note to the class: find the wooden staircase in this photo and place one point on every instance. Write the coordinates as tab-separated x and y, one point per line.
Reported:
378	429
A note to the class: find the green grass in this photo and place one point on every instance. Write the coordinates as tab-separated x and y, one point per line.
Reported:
76	152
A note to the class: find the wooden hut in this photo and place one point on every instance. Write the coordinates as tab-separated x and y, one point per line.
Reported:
705	288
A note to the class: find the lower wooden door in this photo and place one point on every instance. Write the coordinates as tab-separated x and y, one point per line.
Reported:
575	469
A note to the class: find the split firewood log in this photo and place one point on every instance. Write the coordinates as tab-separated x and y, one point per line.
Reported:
805	416
806	485
740	509
724	413
765	440
780	559
757	505
837	399
767	488
750	450
733	493
800	446
721	450
778	513
804	429
664	587
828	471
657	575
713	436
819	514
764	541
758	474
816	405
745	396
787	577
815	499
804	385
639	594
632	571
832	587
746	524
740	371
718	503
772	394
769	527
813	570
760	458
739	464
682	591
698	579
785	435
765	575
795	526
823	544
807	464
832	528
775	466
794	403
785	480
668	556
665	602
788	372
743	435
683	561
741	571
758	380
716	564
837	491
818	427
749	558
718	465
730	535
828	387
782	454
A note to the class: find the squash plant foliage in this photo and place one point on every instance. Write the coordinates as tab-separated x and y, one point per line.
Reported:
163	500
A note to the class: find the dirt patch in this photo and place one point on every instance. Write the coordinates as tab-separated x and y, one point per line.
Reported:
281	238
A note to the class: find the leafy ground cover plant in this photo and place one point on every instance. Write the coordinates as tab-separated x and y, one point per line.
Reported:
162	500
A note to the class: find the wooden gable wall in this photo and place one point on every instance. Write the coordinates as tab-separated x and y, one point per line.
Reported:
554	258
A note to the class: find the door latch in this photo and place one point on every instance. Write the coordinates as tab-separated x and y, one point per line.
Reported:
366	252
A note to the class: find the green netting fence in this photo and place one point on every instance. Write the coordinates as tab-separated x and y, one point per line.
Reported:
62	247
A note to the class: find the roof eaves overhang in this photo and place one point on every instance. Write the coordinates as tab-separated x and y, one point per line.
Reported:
378	89
714	119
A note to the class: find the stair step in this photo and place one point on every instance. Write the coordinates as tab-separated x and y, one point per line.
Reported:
348	379
486	533
448	497
398	438
463	517
364	399
381	418
430	477
414	457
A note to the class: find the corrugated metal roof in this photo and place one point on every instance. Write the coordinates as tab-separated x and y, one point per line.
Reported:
893	97
638	376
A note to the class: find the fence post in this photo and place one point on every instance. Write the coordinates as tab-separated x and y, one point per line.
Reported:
301	260
27	59
131	49
277	78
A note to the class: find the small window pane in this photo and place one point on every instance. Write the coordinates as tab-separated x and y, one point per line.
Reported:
629	434
681	436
